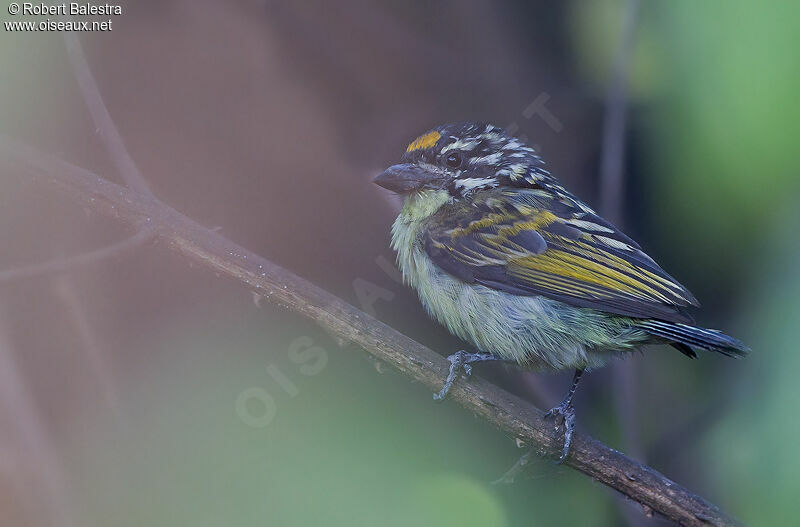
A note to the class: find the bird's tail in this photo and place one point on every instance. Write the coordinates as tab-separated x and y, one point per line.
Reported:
685	337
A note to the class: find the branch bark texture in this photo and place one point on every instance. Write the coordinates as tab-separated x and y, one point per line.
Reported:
350	325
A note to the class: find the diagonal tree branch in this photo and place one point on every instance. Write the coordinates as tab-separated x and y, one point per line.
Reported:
509	413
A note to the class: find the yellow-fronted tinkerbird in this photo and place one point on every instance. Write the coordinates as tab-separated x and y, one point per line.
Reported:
511	262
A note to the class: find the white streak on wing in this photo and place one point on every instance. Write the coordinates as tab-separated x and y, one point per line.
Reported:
614	243
588	226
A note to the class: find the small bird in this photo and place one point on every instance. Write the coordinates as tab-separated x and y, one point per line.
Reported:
512	263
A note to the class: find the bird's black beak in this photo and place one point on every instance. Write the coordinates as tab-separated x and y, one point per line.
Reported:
404	178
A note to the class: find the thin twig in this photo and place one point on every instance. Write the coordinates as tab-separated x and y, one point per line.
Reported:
96	356
612	188
33	444
62	265
511	474
104	125
511	414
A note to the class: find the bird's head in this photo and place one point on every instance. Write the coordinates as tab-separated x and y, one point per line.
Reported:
462	159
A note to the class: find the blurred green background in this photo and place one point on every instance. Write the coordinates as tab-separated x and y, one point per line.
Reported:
140	391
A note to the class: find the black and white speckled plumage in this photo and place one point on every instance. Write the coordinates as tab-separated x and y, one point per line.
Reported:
510	261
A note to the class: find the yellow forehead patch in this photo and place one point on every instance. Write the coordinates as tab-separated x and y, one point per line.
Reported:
424	141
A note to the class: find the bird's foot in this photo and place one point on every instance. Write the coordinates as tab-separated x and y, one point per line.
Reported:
567	411
461	360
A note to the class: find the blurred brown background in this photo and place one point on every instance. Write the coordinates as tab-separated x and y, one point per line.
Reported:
119	380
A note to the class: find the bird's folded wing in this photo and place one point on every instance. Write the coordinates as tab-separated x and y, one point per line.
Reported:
533	242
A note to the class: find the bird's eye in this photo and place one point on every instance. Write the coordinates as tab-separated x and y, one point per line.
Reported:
453	160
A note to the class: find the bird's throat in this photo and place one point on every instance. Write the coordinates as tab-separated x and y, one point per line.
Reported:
420	206
408	226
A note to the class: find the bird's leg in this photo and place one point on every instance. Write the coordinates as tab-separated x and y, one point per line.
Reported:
566	410
462	360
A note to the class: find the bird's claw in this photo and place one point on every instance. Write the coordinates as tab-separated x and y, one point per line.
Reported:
567	411
461	360
457	360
